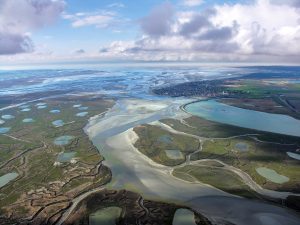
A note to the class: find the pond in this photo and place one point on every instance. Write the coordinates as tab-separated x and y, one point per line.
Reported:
293	155
2	122
42	107
81	114
165	139
7	117
58	123
4	130
24	106
63	140
272	175
107	216
222	113
184	217
242	147
77	106
26	110
83	108
28	120
65	156
41	104
5	179
55	111
174	154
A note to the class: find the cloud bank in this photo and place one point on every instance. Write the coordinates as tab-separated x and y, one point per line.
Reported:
19	18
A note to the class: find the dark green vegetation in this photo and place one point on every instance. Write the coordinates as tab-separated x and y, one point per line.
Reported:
154	142
135	209
224	143
44	186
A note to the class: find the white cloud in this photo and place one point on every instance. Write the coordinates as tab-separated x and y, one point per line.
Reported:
192	3
18	18
100	19
116	5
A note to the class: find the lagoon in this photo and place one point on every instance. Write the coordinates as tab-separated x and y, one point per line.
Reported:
5	179
222	113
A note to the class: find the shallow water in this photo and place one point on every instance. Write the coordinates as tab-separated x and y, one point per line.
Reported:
41	104
4	130
107	216
272	175
58	123
293	155
184	217
28	120
26	110
83	108
222	113
77	106
165	139
82	114
242	147
5	179
2	122
65	156
7	117
55	111
174	154
63	140
42	107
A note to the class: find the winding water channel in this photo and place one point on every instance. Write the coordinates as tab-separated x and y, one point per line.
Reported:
114	137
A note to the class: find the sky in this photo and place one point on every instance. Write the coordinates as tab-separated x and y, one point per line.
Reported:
72	31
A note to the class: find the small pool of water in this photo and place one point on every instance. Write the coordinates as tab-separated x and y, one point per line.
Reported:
7	117
107	216
241	146
293	155
174	154
63	140
222	113
26	110
41	104
83	108
28	120
272	175
42	107
165	139
24	106
5	179
77	106
4	130
58	123
2	122
65	156
82	114
184	217
55	111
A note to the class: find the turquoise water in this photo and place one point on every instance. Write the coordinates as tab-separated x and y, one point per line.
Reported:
5	179
7	117
222	113
28	120
174	154
184	217
107	216
82	114
24	106
165	139
4	130
242	147
41	104
63	140
65	156
55	111
293	155
42	107
58	123
272	175
25	110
